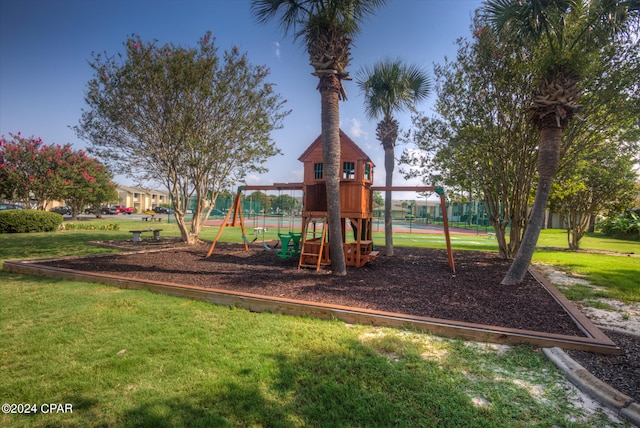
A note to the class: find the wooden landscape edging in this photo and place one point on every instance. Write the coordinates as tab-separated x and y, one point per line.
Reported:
595	340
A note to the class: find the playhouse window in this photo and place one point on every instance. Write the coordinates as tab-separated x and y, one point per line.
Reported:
348	170
317	171
367	172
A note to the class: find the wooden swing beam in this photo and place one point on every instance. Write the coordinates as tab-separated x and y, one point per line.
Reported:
443	206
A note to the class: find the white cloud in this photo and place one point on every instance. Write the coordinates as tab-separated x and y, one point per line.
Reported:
254	179
275	48
354	129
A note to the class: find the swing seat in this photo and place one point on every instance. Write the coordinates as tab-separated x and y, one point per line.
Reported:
295	237
285	252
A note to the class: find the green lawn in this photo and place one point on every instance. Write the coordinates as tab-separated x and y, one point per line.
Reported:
134	358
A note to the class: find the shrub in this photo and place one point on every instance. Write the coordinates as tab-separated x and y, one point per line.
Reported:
626	226
90	226
22	221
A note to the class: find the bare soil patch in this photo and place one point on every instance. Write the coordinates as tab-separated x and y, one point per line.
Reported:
414	281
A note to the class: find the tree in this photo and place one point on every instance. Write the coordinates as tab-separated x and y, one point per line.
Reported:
186	117
389	88
34	171
480	141
378	199
88	183
603	180
327	28
261	200
596	173
285	203
566	37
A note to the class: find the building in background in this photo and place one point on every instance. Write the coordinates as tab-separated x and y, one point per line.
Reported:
141	199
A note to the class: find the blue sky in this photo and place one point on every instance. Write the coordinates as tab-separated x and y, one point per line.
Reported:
45	46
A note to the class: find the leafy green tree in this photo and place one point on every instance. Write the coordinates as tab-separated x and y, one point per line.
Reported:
480	141
602	181
262	200
285	203
378	198
327	28
189	118
566	37
390	87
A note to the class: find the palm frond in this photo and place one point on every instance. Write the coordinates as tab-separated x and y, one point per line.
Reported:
295	15
392	86
292	13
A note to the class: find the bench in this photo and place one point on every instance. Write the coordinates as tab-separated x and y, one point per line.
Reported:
137	234
491	235
152	218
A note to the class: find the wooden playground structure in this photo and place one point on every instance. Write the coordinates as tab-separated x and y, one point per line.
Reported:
356	209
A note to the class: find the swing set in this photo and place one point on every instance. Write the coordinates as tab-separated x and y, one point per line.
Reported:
290	241
293	242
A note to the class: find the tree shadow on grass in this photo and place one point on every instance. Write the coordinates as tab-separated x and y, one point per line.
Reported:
348	385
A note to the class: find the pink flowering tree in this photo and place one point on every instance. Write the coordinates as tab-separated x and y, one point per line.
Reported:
36	173
87	183
31	169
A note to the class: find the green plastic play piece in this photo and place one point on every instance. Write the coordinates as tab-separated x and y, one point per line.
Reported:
295	237
285	252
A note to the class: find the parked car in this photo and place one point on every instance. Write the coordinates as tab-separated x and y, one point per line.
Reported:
64	210
162	210
124	210
109	210
4	206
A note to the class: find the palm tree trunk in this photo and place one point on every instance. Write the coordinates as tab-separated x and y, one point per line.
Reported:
548	160
329	94
389	164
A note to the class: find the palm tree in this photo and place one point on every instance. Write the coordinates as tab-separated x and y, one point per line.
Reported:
391	87
327	28
566	35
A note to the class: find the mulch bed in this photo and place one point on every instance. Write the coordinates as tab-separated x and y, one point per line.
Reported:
414	281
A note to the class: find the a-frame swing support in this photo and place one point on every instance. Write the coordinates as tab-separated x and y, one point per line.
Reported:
443	205
236	209
235	212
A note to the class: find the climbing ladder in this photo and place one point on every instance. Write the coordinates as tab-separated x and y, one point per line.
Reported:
313	252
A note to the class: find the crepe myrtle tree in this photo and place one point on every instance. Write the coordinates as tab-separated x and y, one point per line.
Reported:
88	183
479	138
31	170
191	119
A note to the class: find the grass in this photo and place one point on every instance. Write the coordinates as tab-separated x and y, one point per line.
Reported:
134	358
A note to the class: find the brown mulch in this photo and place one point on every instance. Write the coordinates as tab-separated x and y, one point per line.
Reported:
414	281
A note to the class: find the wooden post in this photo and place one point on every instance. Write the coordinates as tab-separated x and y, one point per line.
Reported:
224	224
445	220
